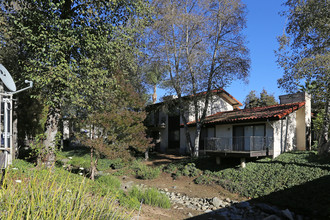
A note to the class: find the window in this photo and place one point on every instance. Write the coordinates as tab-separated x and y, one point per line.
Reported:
245	136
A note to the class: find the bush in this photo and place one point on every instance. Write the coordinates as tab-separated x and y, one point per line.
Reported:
145	172
190	170
204	179
171	168
266	176
48	193
151	197
109	182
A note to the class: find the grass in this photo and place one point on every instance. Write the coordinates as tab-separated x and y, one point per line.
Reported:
145	172
151	197
30	193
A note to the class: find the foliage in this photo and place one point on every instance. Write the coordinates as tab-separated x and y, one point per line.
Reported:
204	179
145	172
202	47
265	176
105	164
264	99
151	196
71	50
108	184
170	168
304	56
44	194
117	127
190	170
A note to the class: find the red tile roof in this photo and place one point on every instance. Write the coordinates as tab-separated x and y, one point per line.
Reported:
272	112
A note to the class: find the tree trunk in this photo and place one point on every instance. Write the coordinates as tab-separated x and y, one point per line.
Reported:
146	154
47	156
154	95
324	145
197	137
185	128
93	165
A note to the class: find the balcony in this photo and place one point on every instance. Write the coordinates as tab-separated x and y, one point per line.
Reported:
247	146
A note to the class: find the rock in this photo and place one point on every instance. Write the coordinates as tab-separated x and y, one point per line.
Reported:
166	190
190	215
287	214
267	208
272	217
216	202
228	200
208	210
243	205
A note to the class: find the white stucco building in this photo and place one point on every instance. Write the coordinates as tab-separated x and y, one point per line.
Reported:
230	131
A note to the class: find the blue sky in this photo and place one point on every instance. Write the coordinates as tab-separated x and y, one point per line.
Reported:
264	24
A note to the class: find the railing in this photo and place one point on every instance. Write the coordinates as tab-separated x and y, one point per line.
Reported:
248	143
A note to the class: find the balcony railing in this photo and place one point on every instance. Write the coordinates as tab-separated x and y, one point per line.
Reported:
246	143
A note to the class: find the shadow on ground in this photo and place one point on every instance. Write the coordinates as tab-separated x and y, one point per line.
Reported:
307	201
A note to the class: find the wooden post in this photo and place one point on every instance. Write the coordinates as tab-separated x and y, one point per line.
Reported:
217	160
243	162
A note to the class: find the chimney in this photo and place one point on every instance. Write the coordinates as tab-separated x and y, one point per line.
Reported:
295	97
301	97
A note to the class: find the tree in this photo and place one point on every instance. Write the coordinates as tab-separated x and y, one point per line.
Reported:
113	130
264	99
201	44
154	73
70	49
304	55
251	100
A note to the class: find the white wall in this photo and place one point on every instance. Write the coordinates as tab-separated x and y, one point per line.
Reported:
285	134
216	104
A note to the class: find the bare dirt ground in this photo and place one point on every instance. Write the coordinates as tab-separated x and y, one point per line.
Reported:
183	185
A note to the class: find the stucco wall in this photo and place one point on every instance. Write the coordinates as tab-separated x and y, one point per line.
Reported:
216	104
285	134
301	129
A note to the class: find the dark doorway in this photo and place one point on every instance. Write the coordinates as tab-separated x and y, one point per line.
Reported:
174	132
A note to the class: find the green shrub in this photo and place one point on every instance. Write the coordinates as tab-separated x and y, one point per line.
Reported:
117	164
265	176
171	168
204	179
109	182
104	164
131	202
151	197
146	172
190	170
50	194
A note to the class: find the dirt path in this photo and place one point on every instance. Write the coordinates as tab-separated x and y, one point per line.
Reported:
183	185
